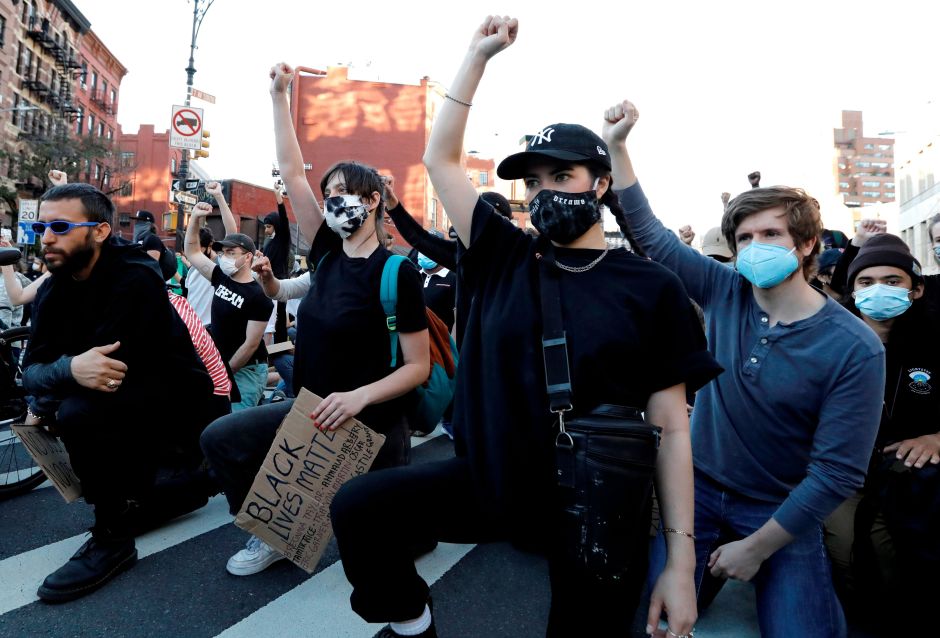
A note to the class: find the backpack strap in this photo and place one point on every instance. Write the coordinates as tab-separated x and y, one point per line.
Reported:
388	295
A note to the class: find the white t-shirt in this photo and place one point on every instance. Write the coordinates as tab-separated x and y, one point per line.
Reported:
199	295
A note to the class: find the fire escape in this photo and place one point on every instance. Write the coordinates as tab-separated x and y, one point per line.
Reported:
58	93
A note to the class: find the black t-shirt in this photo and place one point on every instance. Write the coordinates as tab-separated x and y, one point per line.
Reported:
233	306
631	332
912	377
277	248
343	341
440	296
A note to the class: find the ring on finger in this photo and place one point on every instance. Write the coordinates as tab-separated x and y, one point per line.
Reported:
691	633
111	384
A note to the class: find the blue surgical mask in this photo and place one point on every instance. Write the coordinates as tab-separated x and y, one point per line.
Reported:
426	262
881	302
766	265
936	253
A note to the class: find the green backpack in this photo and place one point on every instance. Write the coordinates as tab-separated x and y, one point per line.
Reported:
435	394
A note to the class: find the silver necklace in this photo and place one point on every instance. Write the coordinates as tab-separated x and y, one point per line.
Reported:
583	268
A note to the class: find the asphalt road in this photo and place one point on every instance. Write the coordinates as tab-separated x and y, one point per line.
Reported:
180	587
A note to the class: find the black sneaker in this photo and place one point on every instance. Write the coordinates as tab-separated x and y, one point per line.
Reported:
95	563
430	632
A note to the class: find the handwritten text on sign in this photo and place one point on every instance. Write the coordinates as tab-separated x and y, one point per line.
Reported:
288	506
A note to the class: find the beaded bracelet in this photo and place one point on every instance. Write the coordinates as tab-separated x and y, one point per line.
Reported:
451	97
669	530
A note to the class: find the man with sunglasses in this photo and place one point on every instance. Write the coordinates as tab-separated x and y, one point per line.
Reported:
104	345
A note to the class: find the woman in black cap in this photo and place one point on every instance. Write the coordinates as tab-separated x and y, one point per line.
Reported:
633	339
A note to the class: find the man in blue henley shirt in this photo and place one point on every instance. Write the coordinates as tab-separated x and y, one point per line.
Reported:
785	434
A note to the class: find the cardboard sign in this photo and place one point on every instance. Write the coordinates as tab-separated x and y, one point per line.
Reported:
277	348
288	506
50	455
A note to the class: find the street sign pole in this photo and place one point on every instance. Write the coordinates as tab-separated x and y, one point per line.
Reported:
183	172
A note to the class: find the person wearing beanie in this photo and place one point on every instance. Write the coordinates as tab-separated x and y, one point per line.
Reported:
825	265
884	567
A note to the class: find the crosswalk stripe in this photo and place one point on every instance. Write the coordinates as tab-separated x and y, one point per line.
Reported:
23	573
320	606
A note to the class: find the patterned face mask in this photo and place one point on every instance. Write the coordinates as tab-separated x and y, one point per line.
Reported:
563	217
345	214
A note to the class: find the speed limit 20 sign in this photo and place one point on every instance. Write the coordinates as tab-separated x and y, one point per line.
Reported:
186	128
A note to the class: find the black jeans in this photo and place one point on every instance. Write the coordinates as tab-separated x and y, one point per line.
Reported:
111	452
237	444
378	516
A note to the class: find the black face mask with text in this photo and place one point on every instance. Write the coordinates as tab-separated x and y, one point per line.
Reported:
563	217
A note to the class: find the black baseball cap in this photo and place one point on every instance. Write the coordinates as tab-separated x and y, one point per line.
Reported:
570	142
235	240
145	215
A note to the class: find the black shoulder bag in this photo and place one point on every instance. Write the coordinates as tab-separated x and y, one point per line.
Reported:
605	458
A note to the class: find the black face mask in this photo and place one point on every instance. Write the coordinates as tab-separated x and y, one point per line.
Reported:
563	217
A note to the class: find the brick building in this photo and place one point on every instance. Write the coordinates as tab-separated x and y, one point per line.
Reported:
149	166
864	166
96	98
383	124
40	57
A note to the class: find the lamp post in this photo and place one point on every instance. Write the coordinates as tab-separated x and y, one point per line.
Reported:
183	172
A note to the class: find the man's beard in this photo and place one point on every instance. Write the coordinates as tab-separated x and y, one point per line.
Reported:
73	262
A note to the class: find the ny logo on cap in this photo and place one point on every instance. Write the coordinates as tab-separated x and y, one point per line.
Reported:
545	135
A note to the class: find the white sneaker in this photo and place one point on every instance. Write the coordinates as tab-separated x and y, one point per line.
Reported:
256	557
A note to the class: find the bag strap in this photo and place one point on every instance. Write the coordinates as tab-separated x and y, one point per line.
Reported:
388	295
554	338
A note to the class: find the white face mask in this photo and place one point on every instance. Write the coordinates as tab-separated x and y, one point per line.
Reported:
344	214
229	265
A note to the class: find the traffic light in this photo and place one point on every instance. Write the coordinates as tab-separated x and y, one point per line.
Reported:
205	144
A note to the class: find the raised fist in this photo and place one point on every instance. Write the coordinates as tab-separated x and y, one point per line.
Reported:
686	234
214	189
618	121
495	34
868	228
281	75
201	209
58	178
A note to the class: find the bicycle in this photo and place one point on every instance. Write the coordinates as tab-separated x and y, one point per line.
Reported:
18	471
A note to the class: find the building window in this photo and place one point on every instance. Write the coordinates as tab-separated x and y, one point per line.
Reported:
124	219
15	113
100	129
127	159
98	171
84	76
80	121
863	164
880	164
3	30
484	178
19	59
843	184
872	184
889	185
884	147
889	195
127	190
113	96
871	194
91	123
433	215
869	147
110	134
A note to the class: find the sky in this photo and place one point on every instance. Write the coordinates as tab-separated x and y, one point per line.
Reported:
723	88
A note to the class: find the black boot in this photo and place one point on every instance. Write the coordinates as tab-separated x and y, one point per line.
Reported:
100	559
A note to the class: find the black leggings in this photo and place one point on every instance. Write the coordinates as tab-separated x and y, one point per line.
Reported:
377	517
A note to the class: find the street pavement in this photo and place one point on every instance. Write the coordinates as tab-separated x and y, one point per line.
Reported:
180	587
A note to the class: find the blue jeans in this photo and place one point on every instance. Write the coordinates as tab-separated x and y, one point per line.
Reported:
250	380
795	594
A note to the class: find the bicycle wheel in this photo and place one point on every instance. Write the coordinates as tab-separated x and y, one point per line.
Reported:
18	471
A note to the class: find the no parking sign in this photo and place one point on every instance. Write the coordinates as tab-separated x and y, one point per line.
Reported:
29	213
186	127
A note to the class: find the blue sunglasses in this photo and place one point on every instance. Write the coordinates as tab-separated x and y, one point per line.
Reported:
59	227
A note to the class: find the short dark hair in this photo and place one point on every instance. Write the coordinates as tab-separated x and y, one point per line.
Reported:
205	237
802	212
98	207
498	202
931	223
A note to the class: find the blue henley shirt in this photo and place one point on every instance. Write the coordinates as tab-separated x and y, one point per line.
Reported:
793	419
